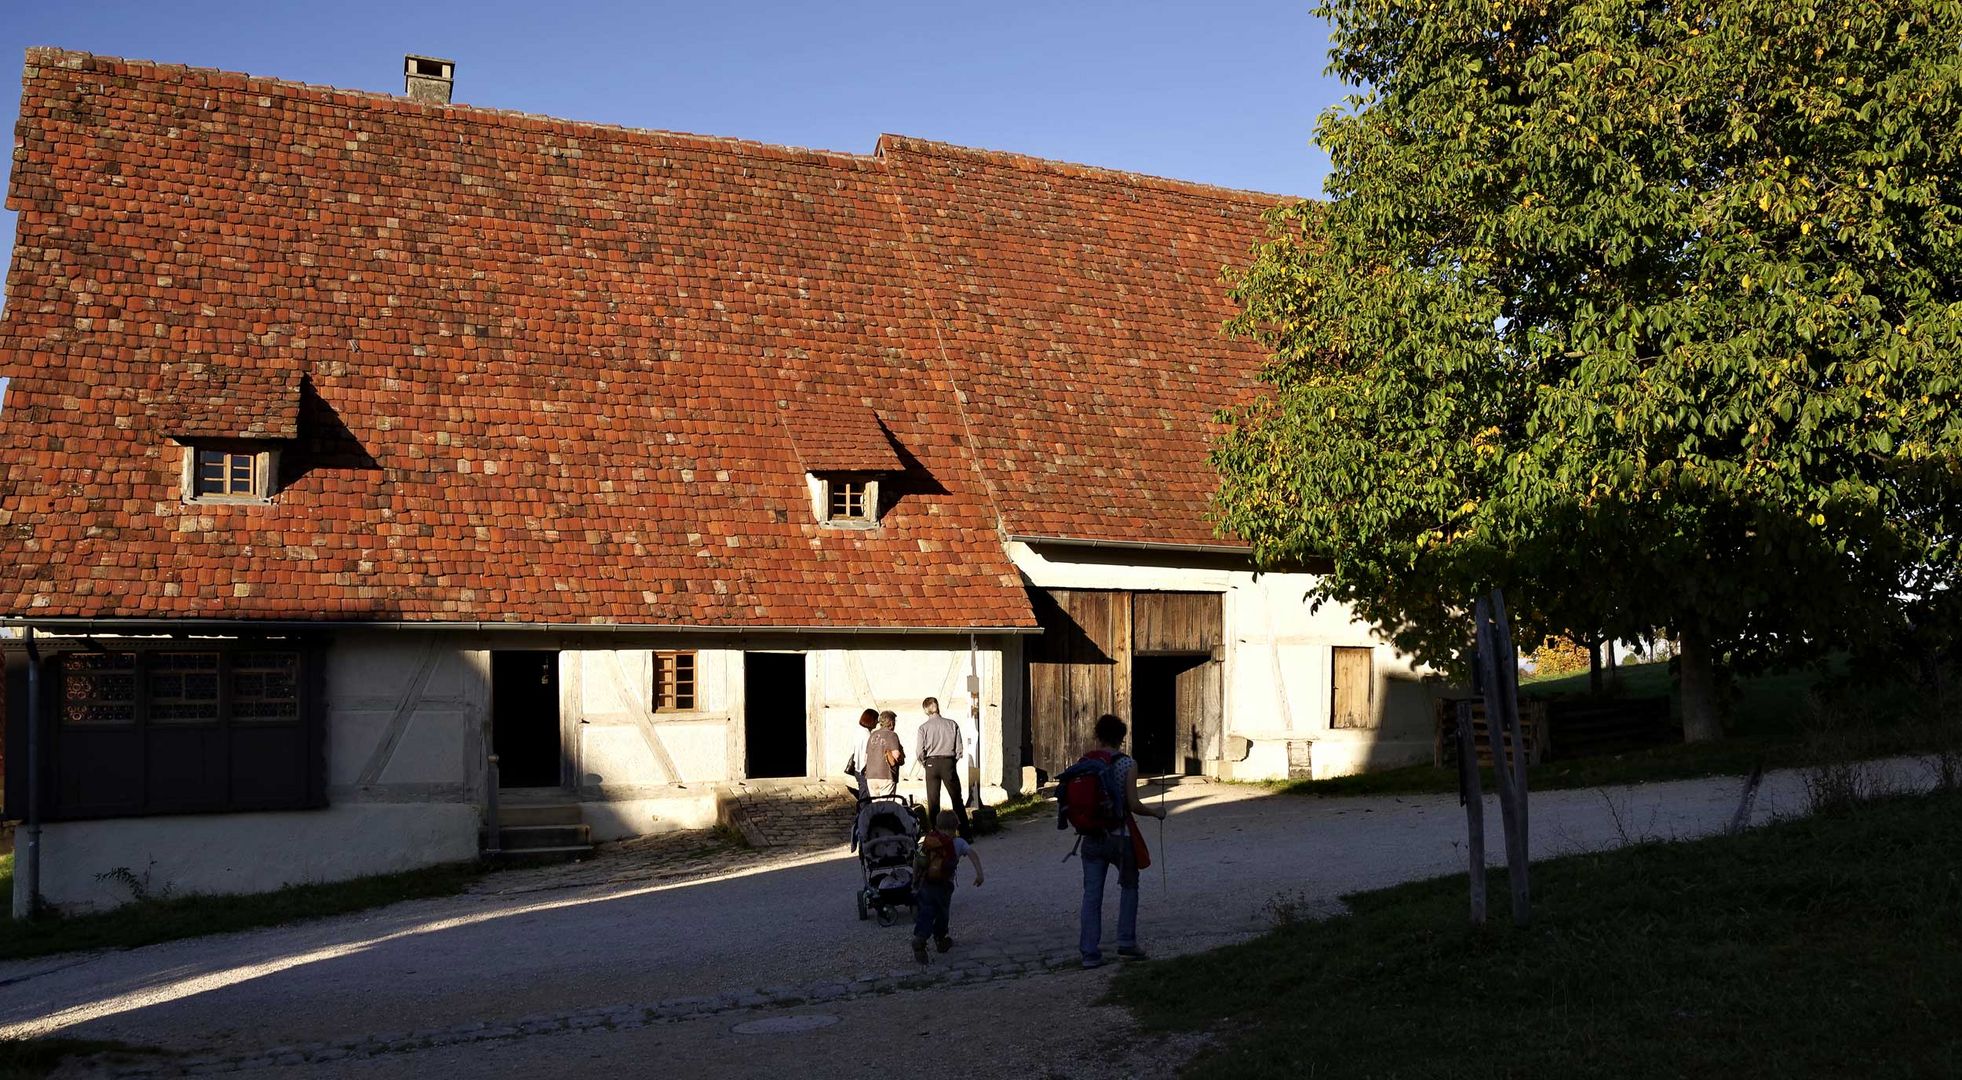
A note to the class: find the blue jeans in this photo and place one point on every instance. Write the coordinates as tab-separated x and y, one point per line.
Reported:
931	905
1098	854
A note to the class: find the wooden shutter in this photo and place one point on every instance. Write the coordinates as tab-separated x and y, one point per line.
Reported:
1354	678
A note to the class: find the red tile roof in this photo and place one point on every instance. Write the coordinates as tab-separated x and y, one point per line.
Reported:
839	437
535	367
1082	311
217	400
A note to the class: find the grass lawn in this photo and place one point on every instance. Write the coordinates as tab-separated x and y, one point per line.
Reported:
150	921
1826	947
1773	719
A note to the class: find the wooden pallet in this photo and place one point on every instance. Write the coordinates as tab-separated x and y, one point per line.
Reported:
1532	725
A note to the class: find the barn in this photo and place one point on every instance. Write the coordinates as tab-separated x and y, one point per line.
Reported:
367	456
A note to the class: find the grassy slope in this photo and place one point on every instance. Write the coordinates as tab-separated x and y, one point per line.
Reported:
152	921
1827	947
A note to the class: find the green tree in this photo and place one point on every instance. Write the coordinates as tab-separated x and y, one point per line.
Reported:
1645	312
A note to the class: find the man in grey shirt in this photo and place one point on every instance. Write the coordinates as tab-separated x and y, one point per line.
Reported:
940	748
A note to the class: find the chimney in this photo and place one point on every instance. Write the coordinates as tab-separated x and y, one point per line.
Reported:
428	79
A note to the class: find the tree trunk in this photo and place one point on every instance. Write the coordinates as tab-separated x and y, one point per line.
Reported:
1701	722
1594	667
1614	671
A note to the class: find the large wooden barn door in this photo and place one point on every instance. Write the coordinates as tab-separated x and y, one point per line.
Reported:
1078	670
1151	658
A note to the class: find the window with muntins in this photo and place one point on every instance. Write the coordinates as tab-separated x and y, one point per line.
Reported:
163	731
674	681
228	474
849	501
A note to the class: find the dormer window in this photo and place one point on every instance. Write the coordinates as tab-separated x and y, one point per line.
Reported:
845	450
228	472
848	500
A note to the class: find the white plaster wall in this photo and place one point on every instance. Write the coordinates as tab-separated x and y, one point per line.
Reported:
408	730
1277	684
407	716
616	819
850	680
245	853
606	699
619	741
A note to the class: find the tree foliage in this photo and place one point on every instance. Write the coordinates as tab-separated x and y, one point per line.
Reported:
1648	312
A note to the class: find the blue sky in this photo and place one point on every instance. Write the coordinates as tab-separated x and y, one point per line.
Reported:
1224	92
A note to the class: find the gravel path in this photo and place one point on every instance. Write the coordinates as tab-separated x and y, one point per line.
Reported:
533	979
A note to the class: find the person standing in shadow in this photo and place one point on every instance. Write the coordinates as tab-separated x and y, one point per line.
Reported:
939	752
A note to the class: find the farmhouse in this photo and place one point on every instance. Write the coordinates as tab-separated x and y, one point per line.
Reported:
351	440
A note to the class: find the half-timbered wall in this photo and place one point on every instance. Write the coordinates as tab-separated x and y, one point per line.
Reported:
408	727
1277	668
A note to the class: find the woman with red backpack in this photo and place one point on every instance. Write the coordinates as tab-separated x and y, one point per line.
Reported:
1098	796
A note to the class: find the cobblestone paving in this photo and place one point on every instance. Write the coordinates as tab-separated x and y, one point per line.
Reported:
778	823
663	859
800	815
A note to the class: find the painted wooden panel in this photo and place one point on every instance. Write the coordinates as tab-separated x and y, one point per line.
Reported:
1168	622
1354	681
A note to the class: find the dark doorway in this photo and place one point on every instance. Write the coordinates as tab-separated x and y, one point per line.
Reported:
1166	720
774	724
525	718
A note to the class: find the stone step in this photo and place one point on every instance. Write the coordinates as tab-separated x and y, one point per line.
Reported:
512	815
523	837
544	856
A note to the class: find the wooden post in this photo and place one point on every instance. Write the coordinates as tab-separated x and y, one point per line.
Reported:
1747	801
1508	665
1473	799
1502	728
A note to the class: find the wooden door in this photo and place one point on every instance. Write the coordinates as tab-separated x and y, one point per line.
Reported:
1353	674
1202	716
1078	670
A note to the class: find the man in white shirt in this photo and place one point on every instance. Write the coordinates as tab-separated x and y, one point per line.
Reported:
940	746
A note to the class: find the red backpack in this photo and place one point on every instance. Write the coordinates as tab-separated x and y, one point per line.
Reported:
939	858
1087	795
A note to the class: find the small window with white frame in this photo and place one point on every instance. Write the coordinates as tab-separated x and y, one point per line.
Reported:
228	472
848	500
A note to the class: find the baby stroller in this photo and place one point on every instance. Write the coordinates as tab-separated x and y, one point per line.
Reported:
884	835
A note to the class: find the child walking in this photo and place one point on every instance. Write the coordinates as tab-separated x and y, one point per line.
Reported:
935	865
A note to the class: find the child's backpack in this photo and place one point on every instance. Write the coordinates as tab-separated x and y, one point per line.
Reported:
1087	794
938	858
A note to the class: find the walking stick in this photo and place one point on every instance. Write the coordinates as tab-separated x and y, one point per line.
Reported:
1164	877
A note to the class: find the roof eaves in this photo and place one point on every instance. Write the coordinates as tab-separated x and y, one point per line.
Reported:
88	624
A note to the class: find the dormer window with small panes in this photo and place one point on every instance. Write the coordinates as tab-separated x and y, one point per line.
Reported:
845	450
230	420
229	472
850	499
